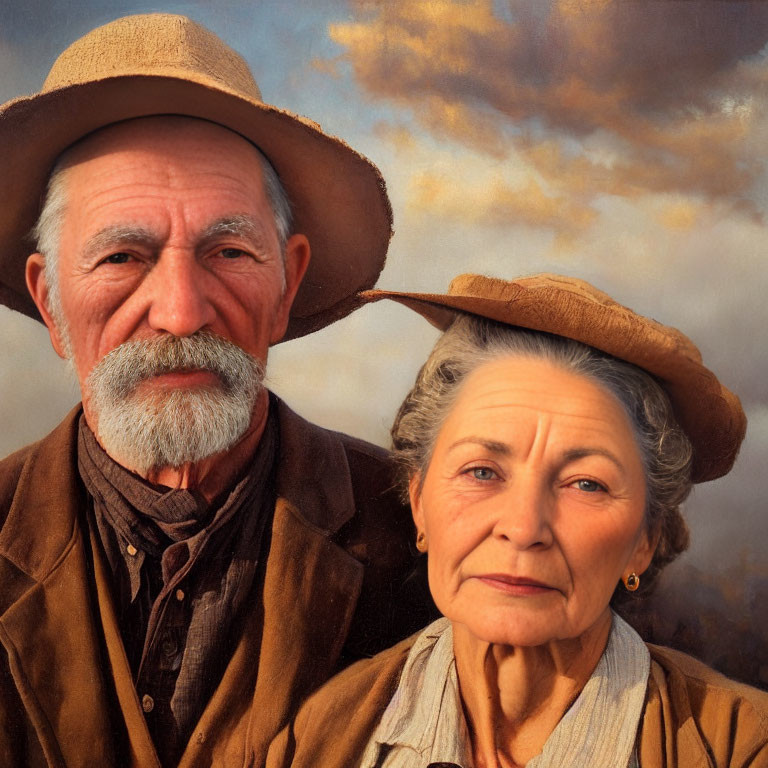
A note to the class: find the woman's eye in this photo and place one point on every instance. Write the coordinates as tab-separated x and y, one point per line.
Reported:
118	258
481	473
590	486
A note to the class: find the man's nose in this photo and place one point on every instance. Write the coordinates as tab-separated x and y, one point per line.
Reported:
180	301
525	514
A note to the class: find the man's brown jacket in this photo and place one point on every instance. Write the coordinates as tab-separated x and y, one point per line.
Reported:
333	588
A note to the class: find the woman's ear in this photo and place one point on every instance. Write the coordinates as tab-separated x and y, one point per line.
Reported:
645	550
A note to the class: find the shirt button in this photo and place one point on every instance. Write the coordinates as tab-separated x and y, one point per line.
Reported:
168	647
131	550
179	594
147	703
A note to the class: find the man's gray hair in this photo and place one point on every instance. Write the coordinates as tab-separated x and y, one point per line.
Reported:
47	231
471	341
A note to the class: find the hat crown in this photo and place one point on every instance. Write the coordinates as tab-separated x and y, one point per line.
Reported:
579	295
155	44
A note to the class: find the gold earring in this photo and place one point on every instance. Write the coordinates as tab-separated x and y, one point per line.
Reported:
632	582
421	542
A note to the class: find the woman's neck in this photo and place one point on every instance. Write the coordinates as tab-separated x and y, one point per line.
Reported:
514	697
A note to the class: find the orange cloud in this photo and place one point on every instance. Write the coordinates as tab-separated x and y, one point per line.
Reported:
494	201
673	93
680	215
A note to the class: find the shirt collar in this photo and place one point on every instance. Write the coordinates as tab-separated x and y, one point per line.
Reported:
425	714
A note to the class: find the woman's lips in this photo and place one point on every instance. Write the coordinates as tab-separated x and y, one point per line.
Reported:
521	586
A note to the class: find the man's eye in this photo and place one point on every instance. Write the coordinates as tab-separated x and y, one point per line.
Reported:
590	486
232	253
118	258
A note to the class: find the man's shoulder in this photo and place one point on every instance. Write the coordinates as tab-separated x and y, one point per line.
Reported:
333	459
295	423
16	464
11	468
371	467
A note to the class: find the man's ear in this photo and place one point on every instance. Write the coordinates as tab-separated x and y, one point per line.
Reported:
296	261
414	494
38	289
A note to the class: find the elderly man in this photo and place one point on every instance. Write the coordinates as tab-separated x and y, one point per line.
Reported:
184	558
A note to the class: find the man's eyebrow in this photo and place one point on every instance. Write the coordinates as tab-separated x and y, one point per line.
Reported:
117	236
240	225
490	445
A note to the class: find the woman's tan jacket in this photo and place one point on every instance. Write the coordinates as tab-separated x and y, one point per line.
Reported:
694	717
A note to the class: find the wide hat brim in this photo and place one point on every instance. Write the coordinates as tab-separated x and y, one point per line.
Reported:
338	197
708	412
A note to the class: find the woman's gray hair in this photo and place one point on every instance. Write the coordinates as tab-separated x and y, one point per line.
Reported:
471	341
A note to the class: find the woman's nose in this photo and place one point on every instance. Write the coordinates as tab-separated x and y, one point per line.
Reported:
524	515
180	304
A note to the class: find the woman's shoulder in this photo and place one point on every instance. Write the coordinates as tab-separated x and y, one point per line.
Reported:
705	681
350	705
699	712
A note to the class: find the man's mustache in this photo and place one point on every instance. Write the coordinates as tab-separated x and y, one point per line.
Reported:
126	366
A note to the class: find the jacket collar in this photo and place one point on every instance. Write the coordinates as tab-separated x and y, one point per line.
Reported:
48	619
42	519
313	472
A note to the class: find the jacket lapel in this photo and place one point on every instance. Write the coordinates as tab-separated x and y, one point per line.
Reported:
47	622
668	732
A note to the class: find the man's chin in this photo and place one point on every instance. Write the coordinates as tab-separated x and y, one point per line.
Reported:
170	427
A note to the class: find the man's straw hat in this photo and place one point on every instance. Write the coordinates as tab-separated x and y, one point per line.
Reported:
161	64
711	415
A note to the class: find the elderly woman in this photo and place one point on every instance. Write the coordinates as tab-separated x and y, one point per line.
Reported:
547	446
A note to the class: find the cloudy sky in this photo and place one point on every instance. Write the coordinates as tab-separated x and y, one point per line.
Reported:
619	141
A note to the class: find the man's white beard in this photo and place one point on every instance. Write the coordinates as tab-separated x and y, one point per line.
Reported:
168	428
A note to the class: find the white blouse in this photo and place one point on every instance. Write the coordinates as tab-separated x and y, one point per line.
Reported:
424	723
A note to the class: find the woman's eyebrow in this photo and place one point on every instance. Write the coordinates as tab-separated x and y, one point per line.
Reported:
580	453
494	446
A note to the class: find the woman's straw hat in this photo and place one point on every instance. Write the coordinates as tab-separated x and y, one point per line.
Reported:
162	64
710	414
